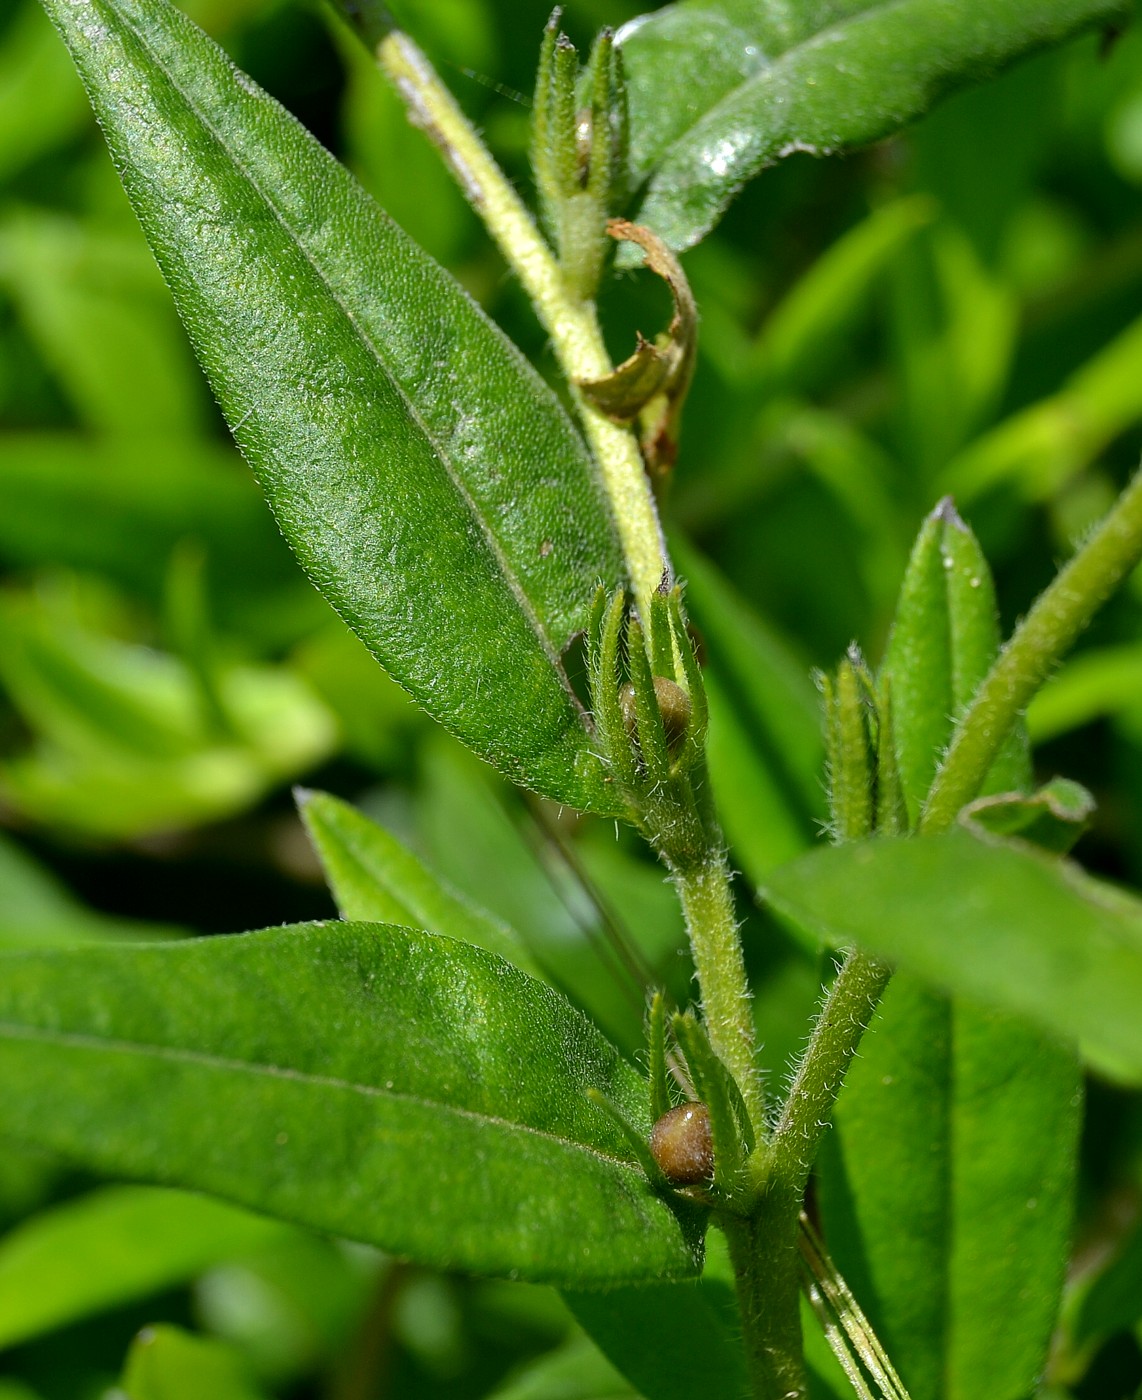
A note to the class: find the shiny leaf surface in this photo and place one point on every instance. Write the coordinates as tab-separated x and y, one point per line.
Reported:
719	91
995	921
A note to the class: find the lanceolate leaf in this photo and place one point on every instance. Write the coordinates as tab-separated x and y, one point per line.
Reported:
373	877
391	1086
993	920
719	89
428	481
946	1190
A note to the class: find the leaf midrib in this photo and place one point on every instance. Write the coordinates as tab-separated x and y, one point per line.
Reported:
366	341
79	1040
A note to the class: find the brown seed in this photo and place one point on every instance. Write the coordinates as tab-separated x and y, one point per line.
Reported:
673	706
682	1145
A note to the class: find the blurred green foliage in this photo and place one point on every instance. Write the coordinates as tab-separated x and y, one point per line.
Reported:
958	309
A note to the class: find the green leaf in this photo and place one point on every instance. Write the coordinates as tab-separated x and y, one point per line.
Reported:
166	1363
16	1390
376	879
65	499
672	1341
1044	446
576	1371
947	1189
35	909
954	326
795	344
720	90
1054	817
995	921
388	1085
113	1246
34	77
124	741
500	858
95	307
1092	684
429	482
27	1180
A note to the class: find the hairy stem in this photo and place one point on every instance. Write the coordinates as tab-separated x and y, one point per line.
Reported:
1055	620
707	903
570	321
845	1014
764	1253
1057	617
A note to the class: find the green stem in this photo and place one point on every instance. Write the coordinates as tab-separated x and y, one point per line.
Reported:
845	1014
570	321
707	903
764	1253
1057	617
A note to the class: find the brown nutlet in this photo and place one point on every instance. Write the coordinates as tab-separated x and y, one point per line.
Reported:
682	1144
673	706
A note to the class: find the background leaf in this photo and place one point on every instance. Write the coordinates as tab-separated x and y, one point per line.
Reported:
96	309
121	508
386	417
577	1371
672	1340
36	909
510	864
167	1363
374	878
719	91
113	1246
390	1085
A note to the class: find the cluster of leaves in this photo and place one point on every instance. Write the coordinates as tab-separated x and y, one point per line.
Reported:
951	312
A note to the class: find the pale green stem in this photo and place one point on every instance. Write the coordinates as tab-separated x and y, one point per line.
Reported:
1057	617
707	903
845	1014
570	321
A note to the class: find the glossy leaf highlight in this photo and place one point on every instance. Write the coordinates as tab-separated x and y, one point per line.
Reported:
718	91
